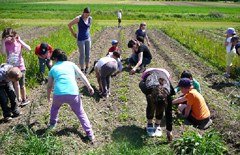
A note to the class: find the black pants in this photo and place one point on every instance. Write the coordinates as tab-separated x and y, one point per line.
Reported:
7	91
158	108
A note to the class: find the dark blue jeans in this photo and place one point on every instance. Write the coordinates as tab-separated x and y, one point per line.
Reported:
134	60
7	92
42	63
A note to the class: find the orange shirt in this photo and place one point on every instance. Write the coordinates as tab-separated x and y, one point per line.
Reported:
198	105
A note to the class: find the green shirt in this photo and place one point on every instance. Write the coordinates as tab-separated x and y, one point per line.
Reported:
196	86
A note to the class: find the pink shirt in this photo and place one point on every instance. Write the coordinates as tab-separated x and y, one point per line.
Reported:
14	55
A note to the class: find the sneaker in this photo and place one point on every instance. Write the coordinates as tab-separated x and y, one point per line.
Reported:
7	119
226	75
16	114
158	131
151	131
25	102
91	138
169	136
51	126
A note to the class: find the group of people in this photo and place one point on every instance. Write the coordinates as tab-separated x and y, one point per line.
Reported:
155	82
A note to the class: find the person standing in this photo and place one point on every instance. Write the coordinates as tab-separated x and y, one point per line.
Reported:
12	46
119	15
44	52
141	33
231	52
83	22
62	77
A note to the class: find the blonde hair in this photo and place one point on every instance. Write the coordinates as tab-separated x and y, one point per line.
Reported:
14	73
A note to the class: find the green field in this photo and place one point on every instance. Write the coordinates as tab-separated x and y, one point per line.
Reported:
197	28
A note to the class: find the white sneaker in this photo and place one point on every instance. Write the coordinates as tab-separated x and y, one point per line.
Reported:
158	131
151	131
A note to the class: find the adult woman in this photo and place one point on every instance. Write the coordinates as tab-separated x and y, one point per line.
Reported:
63	76
83	22
141	56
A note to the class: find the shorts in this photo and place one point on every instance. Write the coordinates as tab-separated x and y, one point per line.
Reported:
22	80
230	57
119	20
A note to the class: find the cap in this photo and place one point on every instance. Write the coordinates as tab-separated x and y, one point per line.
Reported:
114	42
143	24
86	10
185	82
231	31
44	48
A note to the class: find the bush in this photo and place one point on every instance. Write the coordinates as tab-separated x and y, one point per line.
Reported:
193	143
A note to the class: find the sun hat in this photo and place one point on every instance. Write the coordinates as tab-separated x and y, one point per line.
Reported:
44	48
114	42
231	31
185	82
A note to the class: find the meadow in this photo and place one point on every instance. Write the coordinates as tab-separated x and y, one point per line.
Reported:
119	122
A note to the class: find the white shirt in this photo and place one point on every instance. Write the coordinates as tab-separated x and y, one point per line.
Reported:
119	14
103	61
228	47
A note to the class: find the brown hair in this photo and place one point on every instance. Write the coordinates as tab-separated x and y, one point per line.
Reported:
14	73
8	32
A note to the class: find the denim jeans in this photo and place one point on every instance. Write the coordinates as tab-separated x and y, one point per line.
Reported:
7	92
134	60
42	63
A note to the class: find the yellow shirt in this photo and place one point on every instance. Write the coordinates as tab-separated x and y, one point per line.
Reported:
198	105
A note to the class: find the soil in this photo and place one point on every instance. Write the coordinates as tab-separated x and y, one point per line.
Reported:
112	117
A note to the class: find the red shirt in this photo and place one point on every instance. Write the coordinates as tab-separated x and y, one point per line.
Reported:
112	49
38	52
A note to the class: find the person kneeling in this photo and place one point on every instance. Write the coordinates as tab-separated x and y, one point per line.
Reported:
196	110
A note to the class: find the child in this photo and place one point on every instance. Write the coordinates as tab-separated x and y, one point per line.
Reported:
140	57
196	110
141	33
62	77
12	46
44	52
195	83
236	42
119	63
156	85
230	51
119	15
9	75
114	47
104	68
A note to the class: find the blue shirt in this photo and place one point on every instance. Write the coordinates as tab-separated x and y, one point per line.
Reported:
63	73
84	29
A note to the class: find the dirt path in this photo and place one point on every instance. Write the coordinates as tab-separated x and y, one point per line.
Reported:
122	116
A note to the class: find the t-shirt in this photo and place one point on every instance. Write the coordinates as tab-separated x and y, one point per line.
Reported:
112	49
84	28
229	46
198	105
196	85
149	70
119	14
103	61
64	74
38	52
119	63
146	53
3	73
141	33
14	55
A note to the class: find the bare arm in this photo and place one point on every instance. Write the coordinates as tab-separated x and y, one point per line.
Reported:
17	90
49	87
84	79
140	58
27	47
70	26
179	100
3	47
148	42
